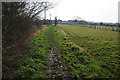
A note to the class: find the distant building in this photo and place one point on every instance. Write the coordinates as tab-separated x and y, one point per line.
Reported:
65	22
78	22
58	21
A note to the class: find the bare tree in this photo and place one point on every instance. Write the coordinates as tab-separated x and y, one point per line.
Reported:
17	21
36	8
19	16
76	18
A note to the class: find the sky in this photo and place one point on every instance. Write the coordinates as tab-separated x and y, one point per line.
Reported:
89	10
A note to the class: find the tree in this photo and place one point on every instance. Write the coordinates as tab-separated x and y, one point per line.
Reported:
18	17
17	21
76	18
101	23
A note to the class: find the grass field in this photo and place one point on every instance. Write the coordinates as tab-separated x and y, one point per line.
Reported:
100	55
87	52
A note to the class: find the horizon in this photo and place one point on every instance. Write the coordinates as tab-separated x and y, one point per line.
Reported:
91	11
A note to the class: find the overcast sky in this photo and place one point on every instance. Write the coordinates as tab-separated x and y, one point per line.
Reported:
90	10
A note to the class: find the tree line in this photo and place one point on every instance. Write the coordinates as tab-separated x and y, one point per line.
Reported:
18	19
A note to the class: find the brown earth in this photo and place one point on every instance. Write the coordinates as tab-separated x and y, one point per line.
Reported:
57	69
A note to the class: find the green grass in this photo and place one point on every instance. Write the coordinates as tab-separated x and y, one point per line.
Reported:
35	65
100	58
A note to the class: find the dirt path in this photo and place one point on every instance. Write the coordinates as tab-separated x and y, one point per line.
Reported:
56	64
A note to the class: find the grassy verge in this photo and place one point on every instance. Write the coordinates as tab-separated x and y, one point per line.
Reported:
35	65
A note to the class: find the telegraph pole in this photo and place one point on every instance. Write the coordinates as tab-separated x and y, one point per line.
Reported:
45	10
45	5
56	21
50	16
45	14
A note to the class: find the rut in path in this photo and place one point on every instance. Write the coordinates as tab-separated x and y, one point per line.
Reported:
56	64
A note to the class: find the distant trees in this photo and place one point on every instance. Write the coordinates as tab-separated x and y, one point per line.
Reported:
77	18
101	23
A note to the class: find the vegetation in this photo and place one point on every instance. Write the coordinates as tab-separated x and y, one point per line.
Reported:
100	58
111	28
19	21
35	65
88	51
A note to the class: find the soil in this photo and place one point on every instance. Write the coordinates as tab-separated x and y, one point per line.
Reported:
56	64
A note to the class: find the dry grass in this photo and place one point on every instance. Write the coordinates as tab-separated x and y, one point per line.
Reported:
70	42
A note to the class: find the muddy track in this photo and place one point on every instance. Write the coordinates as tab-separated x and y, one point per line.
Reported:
56	64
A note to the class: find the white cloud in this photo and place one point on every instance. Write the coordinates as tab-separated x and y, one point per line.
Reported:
90	10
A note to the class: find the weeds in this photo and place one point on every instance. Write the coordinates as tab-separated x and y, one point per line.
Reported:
35	65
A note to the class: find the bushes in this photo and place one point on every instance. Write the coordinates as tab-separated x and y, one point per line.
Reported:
18	19
36	63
